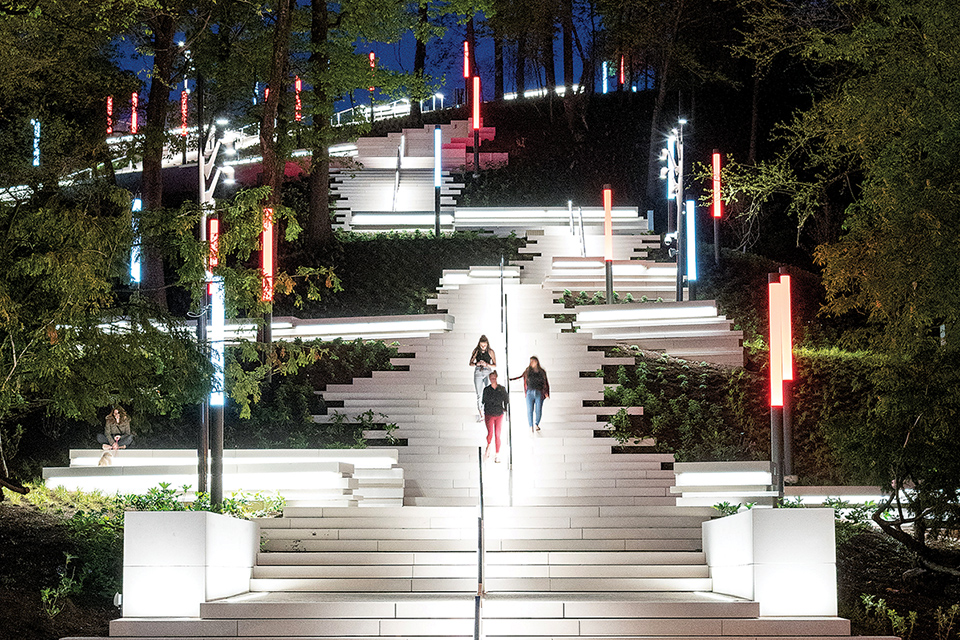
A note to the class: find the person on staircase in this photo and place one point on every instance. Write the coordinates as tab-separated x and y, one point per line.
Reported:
495	400
536	389
483	360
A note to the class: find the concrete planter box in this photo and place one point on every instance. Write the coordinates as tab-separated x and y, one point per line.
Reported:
785	559
175	560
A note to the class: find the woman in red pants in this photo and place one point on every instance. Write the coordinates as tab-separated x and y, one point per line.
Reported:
495	401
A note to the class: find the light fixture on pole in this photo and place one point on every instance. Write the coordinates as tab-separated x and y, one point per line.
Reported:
437	178
214	300
605	76
691	243
136	258
608	240
781	373
109	115
673	173
717	208
373	71
134	106
466	72
36	141
476	126
298	102
622	76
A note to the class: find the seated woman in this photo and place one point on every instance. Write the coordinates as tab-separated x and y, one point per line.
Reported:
116	430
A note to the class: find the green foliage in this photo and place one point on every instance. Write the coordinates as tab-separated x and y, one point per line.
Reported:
679	410
899	625
730	509
946	620
569	300
394	273
52	598
98	538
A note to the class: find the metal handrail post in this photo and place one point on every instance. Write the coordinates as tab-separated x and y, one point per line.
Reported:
583	238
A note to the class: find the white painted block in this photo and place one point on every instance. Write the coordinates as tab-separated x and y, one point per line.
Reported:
782	558
173	561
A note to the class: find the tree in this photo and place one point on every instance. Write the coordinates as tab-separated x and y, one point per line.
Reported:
68	344
879	145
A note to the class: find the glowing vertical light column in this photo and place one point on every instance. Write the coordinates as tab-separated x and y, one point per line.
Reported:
466	59
623	72
781	337
691	242
373	68
786	327
717	206
183	113
218	311
266	294
213	259
136	258
298	106
109	115
134	106
437	177
476	102
608	239
671	174
476	125
606	76
36	142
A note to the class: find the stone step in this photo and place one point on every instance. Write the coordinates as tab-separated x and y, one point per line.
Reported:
468	569
440	585
556	558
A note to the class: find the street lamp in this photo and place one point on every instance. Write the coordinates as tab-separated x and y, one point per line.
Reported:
781	374
216	304
673	172
608	240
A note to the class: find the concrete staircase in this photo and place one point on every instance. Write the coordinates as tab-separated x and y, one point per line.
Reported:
581	541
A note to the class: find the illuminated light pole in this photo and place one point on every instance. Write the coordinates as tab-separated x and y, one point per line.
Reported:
136	257
717	208
298	105
608	239
217	393
781	373
691	242
476	126
184	111
605	76
134	106
109	115
466	72
437	177
673	172
36	141
211	413
373	71
266	257
622	77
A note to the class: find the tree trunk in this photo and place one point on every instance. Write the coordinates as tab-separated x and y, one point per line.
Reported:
754	115
420	62
319	225
566	20
497	66
653	152
151	179
272	165
549	61
521	64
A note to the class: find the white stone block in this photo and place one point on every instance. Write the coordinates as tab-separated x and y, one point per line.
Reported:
785	559
174	561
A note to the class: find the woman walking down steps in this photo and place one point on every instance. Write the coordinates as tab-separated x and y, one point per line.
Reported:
536	389
484	361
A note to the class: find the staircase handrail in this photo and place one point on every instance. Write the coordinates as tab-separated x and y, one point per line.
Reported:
583	238
477	598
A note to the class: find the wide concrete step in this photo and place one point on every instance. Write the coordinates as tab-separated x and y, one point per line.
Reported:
534	558
469	584
468	543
